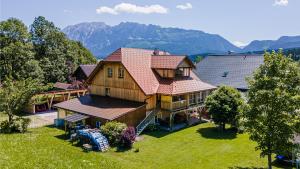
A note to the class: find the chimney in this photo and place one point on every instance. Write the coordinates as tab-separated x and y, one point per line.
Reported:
156	51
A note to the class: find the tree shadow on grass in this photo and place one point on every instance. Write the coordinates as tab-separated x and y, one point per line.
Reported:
214	133
275	163
122	149
62	137
52	126
157	134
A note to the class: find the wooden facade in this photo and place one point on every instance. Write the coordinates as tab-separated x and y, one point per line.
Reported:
119	87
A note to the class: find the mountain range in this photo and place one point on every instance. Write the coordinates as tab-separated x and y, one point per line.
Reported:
285	42
102	39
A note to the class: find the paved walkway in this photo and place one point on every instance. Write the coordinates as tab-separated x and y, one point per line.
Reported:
42	119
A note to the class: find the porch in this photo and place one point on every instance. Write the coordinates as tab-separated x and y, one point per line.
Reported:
103	109
180	117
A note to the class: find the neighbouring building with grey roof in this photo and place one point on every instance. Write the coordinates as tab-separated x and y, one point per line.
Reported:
230	70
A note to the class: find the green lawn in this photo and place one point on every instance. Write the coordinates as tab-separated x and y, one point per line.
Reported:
195	147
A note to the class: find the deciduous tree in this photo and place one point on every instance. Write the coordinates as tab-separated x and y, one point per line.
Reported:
17	52
59	55
224	105
14	95
274	97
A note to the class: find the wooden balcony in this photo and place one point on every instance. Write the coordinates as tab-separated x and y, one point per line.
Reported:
179	104
174	106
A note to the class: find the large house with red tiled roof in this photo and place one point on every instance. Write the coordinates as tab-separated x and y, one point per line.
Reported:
142	86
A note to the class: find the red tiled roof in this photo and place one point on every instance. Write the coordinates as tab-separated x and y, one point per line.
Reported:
116	56
139	64
166	61
100	106
87	69
183	85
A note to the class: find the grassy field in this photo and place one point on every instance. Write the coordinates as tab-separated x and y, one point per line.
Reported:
200	146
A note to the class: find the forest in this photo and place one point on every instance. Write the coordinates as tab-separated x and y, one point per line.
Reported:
41	52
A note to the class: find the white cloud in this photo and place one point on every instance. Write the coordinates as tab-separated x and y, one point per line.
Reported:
105	9
240	44
132	8
281	2
185	6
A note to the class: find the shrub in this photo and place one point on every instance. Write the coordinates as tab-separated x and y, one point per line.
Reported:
6	127
127	138
113	131
21	124
18	125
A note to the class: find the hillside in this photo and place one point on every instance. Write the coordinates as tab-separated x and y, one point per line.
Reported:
103	39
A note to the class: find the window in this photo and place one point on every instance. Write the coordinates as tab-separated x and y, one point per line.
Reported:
179	72
121	73
225	74
204	94
200	97
107	91
165	73
192	98
109	72
178	98
183	72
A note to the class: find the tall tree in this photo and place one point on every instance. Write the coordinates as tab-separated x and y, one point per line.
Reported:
224	105
17	51
274	97
59	55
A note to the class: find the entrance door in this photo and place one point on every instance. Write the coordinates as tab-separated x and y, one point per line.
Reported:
158	100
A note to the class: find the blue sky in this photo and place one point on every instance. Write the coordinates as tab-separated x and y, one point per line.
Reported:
239	21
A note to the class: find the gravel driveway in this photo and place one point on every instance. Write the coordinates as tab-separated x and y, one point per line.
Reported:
42	119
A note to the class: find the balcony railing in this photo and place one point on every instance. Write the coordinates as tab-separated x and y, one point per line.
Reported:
178	105
174	105
166	105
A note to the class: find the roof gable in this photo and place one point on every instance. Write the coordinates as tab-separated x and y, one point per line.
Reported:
87	69
138	64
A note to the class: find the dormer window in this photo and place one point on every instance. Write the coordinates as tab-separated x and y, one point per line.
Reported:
183	72
109	72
